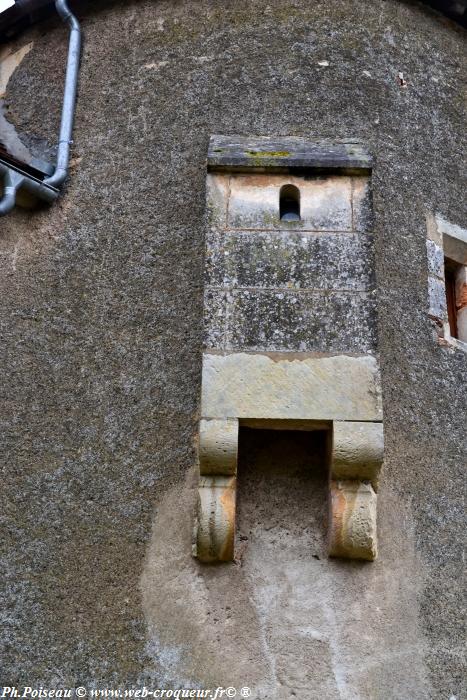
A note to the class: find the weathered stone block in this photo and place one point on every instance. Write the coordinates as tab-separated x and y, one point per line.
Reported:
215	309
362	204
357	451
218	446
292	321
325	202
290	260
251	153
217	191
215	525
437	298
241	385
435	259
352	527
433	232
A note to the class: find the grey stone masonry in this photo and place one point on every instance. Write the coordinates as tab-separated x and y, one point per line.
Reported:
274	285
247	152
290	260
288	320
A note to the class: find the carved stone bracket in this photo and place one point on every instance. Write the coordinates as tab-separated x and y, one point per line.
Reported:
357	456
356	460
215	524
215	528
218	446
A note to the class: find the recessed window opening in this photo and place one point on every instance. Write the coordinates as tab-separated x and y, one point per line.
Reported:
451	272
289	203
447	282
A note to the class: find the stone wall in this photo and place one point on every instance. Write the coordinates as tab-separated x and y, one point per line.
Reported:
308	288
101	324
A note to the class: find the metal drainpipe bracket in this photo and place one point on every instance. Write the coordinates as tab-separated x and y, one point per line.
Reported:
25	185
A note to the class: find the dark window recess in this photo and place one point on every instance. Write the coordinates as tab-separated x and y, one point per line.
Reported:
451	270
289	205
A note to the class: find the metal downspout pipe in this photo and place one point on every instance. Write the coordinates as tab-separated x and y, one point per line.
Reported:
13	180
69	95
11	183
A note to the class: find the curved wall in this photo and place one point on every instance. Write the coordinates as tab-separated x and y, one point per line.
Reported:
101	323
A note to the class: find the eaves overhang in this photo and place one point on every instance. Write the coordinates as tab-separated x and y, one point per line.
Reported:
26	12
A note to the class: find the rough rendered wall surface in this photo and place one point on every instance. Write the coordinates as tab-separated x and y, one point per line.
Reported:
101	320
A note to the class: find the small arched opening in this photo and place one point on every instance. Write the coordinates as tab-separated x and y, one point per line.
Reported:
289	203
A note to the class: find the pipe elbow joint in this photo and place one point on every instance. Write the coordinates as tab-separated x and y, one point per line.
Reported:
11	184
63	10
57	179
8	201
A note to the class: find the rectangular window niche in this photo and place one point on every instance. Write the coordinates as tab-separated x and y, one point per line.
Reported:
447	281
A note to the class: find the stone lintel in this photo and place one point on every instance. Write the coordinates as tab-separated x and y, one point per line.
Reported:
258	386
286	152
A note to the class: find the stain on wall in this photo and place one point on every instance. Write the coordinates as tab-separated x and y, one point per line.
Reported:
308	625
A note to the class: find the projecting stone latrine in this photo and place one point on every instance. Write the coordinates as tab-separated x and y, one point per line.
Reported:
290	308
238	333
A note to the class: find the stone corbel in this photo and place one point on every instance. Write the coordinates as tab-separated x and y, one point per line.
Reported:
215	523
357	455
